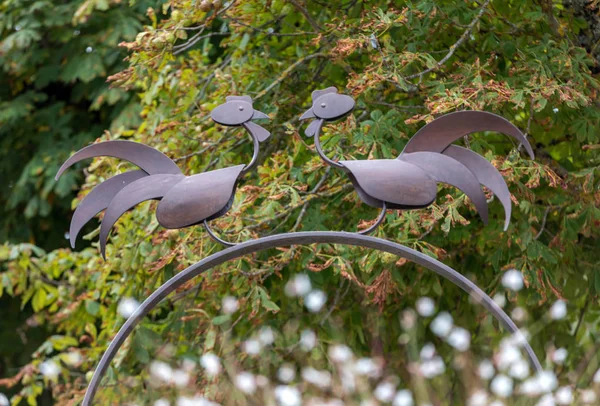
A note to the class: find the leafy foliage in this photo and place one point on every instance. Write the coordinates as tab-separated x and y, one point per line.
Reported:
524	60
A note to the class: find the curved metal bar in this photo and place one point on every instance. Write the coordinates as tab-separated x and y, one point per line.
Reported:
216	237
377	223
285	240
254	159
320	150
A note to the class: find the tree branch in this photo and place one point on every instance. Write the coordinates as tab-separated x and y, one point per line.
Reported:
456	45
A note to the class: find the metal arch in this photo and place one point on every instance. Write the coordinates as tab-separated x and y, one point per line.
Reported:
298	238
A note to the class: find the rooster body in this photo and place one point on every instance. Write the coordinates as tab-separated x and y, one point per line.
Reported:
184	200
410	181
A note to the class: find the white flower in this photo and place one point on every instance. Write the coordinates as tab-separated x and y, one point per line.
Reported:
180	378
195	401
4	400
547	381
127	306
340	353
555	110
478	398
558	310
89	50
288	396
245	382
513	280
433	367
427	352
308	340
188	365
460	339
486	369
229	305
251	347
588	396
72	358
315	300
162	402
546	400
385	391
321	379
507	355
425	306
161	371
502	386
442	324
49	369
211	364
266	336
559	356
519	369
299	285
403	398
496	403
597	376
261	381
500	299
518	314
367	367
286	373
564	395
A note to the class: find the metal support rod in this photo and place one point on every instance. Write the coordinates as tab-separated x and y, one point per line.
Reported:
320	150
254	159
285	240
377	223
216	237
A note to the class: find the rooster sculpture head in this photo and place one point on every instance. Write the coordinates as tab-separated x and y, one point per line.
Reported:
328	105
238	111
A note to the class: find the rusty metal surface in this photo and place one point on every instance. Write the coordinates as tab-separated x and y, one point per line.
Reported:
301	238
197	197
147	188
486	174
443	131
99	199
445	169
147	158
400	184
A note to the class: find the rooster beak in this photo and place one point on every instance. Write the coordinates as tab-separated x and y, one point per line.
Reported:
308	114
259	115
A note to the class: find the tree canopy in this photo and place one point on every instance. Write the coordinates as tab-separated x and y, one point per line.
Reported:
65	83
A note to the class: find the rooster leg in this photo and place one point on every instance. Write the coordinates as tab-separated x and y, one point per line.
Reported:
444	169
147	188
443	131
147	158
99	199
486	174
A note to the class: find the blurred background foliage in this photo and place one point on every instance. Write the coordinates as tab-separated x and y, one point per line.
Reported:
152	71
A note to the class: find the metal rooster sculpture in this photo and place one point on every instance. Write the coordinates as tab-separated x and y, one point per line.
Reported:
410	181
184	200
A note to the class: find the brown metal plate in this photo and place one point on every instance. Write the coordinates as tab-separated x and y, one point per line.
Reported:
147	158
393	181
99	199
197	197
332	106
445	169
443	131
147	188
233	113
486	174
